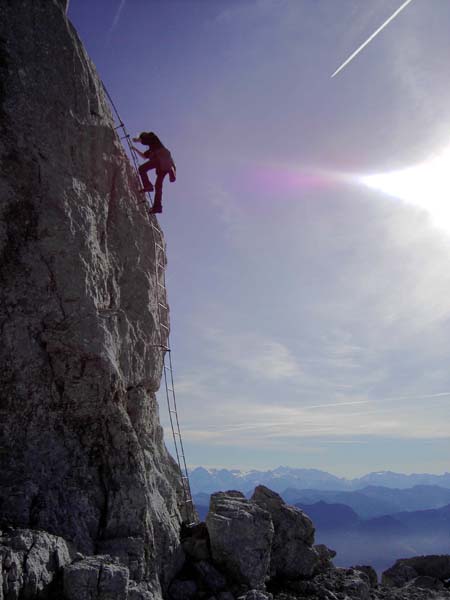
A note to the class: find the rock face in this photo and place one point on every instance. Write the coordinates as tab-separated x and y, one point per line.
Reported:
292	554
31	564
408	569
96	577
241	536
81	448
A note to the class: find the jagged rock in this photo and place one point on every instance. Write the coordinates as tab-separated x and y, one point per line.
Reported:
292	554
81	450
241	535
406	569
426	582
325	555
370	572
141	592
256	595
398	575
343	583
183	590
96	578
31	564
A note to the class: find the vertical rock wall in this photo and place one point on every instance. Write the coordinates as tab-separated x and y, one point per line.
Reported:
81	448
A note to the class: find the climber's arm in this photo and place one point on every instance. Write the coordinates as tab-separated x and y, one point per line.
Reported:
141	154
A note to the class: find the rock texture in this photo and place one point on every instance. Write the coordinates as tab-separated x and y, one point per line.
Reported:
292	553
241	535
81	448
96	578
31	564
408	569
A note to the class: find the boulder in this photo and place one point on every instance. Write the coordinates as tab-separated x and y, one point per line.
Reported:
292	554
241	535
406	569
325	557
370	572
426	582
96	578
31	563
140	591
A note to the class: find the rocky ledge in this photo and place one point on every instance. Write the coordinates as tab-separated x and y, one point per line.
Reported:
263	549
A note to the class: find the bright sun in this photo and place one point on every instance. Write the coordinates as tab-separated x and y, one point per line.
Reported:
426	186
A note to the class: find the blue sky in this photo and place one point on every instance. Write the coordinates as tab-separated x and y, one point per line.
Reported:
310	313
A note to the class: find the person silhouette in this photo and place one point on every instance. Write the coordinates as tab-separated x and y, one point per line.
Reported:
160	159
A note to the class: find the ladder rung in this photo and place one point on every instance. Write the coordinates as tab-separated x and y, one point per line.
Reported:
168	368
165	326
173	411
161	285
163	305
170	389
176	433
186	501
159	246
160	266
166	348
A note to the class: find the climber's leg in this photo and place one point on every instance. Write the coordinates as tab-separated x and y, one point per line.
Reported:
157	205
143	169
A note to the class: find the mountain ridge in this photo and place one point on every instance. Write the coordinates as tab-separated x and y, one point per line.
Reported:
212	479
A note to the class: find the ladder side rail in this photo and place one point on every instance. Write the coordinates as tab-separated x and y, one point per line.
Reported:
170	389
170	397
184	468
126	136
172	423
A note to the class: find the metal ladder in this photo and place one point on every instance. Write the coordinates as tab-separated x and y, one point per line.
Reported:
164	343
164	340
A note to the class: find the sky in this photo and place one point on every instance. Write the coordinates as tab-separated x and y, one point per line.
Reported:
308	232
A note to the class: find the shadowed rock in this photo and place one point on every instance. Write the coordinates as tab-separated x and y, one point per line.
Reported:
292	554
241	535
96	578
407	569
31	564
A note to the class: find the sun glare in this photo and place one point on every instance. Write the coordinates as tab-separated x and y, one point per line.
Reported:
426	186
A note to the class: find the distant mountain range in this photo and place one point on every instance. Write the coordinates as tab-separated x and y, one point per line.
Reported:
382	540
375	501
374	519
283	478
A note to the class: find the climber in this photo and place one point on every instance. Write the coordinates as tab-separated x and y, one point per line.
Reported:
160	159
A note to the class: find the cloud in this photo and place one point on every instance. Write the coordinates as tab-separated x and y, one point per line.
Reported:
254	354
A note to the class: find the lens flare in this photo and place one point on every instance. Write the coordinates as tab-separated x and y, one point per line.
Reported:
426	186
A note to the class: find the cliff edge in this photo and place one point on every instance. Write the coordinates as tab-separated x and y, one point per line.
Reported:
81	447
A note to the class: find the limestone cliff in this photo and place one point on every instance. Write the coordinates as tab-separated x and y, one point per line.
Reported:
81	448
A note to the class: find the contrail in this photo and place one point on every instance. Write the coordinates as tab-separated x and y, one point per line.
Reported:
117	17
385	24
